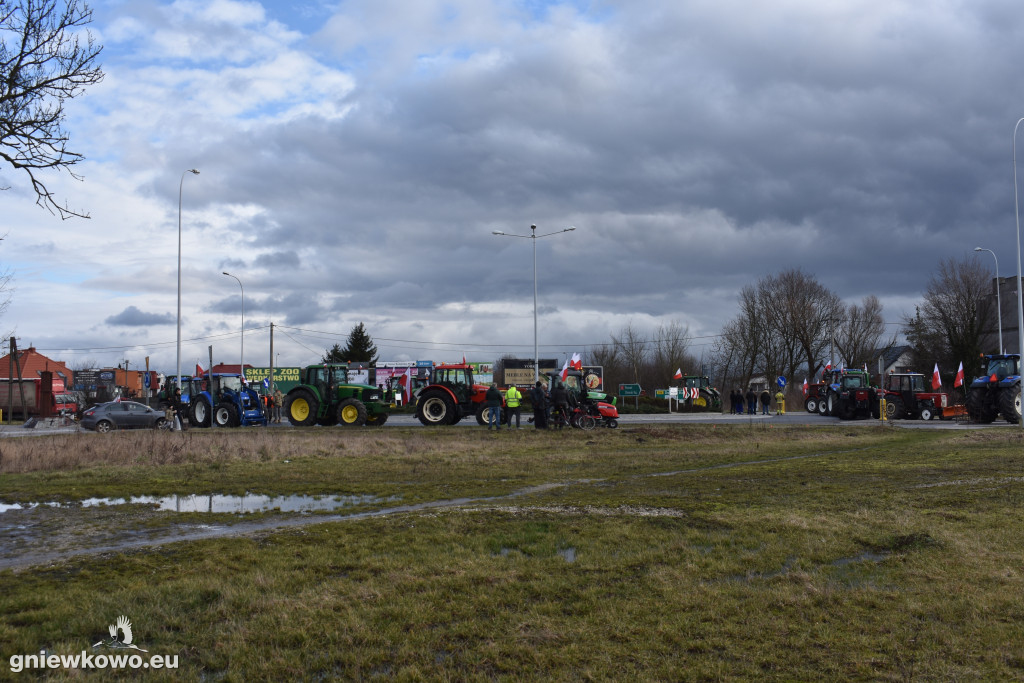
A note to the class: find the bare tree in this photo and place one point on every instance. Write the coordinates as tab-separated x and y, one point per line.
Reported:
955	315
632	348
670	351
44	62
859	335
608	357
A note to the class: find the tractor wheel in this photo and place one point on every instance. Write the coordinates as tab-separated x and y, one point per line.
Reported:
811	404
376	420
226	415
837	407
300	407
351	413
822	406
1009	404
435	408
927	412
978	408
481	414
701	403
895	410
199	413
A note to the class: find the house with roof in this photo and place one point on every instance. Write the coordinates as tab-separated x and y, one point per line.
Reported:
33	364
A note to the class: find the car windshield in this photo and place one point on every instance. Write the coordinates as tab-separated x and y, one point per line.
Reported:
231	383
852	382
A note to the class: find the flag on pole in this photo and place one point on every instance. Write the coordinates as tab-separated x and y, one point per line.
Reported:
199	370
577	362
679	374
936	380
959	381
565	370
805	386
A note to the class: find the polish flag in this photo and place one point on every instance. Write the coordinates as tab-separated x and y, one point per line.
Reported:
959	381
936	380
199	370
805	386
576	362
679	374
565	371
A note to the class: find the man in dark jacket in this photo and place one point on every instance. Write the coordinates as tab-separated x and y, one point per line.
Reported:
540	406
751	402
560	401
493	407
766	399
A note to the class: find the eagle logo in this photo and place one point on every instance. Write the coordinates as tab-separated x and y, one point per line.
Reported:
120	636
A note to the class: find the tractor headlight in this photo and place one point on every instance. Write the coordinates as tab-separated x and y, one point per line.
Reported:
373	396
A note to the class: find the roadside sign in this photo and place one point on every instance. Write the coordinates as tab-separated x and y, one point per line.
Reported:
629	390
661	393
781	381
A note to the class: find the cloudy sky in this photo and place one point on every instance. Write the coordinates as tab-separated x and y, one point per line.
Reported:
356	156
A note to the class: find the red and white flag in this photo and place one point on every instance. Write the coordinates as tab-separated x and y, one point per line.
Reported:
805	386
576	362
959	381
936	380
565	371
679	374
199	370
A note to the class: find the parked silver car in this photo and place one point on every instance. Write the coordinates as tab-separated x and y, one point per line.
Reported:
104	417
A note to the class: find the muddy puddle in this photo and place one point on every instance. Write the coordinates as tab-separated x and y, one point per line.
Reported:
216	503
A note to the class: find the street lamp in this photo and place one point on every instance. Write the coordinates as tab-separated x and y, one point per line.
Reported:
999	306
534	236
178	366
1020	294
241	364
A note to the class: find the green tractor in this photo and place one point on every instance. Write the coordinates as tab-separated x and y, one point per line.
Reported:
325	397
697	395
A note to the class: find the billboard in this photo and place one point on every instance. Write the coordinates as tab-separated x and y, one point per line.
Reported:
519	371
285	379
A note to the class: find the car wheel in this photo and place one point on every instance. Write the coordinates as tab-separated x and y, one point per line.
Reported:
104	426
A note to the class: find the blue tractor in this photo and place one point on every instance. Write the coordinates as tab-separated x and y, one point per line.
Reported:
225	398
997	392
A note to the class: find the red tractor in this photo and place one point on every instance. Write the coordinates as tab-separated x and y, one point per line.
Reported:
451	396
907	397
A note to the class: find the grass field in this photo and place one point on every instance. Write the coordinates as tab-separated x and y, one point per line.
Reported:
656	553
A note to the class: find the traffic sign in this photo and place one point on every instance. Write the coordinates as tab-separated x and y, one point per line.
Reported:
781	381
629	390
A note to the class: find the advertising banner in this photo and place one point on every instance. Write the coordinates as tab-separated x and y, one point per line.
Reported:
519	371
285	379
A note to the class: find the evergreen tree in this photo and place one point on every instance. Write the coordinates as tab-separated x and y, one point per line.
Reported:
360	347
334	355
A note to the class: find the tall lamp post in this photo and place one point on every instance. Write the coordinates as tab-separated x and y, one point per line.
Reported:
999	306
241	364
1020	294
534	236
180	185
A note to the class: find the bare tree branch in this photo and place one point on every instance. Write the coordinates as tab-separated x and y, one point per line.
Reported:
44	62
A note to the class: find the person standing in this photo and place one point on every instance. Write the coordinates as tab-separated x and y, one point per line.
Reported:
539	399
278	402
493	397
513	397
751	402
766	399
560	401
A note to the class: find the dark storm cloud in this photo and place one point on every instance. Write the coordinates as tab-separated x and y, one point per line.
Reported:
133	317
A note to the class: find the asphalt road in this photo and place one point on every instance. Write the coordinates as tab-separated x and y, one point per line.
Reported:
790	418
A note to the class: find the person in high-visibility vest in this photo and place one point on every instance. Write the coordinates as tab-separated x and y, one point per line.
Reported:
513	397
780	400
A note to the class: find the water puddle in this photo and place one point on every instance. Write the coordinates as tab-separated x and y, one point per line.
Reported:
247	504
567	554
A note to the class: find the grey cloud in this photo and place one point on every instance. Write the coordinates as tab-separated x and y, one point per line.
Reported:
133	317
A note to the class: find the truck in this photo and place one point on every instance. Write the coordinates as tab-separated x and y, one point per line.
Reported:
450	396
325	397
37	402
226	399
997	392
907	396
700	396
850	395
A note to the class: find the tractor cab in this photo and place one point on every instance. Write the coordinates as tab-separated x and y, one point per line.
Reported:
326	377
908	395
458	378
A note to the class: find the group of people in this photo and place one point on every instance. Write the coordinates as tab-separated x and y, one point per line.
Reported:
544	405
737	399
